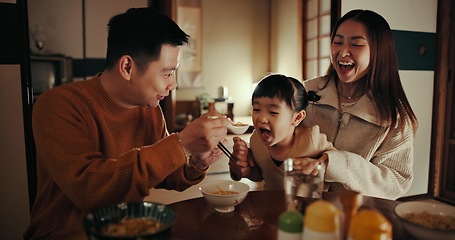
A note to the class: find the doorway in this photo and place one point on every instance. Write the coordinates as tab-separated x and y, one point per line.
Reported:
442	162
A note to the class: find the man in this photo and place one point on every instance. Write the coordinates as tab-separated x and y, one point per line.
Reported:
104	140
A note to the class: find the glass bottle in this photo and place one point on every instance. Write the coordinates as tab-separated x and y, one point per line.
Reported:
290	225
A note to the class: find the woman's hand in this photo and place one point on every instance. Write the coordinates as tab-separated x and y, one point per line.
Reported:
307	165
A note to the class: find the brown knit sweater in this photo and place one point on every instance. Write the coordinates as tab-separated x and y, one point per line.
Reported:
92	152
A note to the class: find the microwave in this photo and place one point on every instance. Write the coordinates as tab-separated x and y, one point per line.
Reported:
48	71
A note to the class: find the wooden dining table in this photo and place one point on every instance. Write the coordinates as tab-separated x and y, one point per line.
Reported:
256	217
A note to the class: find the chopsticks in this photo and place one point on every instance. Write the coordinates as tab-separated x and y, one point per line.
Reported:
221	145
226	151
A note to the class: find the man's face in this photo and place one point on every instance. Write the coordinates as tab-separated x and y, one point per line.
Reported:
158	78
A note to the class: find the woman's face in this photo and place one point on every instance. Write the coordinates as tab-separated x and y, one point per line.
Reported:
350	51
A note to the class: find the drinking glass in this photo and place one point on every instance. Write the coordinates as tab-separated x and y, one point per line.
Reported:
298	185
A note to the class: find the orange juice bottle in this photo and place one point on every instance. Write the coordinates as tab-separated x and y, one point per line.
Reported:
370	224
322	221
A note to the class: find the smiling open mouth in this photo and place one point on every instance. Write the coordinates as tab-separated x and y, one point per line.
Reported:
265	133
346	66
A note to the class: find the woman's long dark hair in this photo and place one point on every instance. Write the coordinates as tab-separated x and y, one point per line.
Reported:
382	78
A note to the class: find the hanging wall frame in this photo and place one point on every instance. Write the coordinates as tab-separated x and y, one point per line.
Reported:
189	18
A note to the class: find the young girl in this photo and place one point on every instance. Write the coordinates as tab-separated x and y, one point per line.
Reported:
279	104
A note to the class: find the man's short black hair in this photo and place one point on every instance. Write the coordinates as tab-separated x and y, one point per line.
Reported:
140	33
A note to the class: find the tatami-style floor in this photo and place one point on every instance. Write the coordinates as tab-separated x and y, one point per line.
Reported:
218	171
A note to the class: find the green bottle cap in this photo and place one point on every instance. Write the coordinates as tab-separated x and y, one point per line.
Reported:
291	221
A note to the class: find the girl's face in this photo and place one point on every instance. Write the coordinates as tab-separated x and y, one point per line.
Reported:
350	51
274	120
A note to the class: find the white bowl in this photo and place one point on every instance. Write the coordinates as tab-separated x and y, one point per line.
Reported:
238	128
422	232
224	203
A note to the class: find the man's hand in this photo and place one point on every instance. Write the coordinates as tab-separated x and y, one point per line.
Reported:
201	137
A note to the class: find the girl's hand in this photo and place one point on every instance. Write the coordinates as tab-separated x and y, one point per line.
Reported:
242	167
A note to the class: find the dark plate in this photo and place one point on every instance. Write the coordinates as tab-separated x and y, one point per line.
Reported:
97	219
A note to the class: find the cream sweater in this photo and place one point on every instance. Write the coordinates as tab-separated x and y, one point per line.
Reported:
372	158
308	142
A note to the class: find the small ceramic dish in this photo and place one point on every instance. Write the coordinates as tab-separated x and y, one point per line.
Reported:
224	195
235	128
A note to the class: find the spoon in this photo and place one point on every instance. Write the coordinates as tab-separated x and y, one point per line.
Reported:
237	128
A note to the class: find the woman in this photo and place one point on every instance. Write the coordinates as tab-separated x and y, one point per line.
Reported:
364	111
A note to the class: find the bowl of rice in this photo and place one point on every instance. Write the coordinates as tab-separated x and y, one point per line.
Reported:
427	220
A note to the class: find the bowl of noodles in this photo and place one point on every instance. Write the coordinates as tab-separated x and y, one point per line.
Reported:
427	220
130	220
224	195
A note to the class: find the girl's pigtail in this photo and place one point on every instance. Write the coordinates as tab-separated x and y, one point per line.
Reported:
313	97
